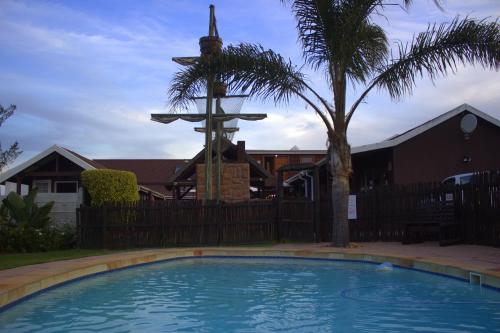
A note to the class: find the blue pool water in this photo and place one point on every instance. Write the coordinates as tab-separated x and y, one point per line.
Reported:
259	295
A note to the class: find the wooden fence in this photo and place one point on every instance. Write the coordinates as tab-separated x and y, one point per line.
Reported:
383	212
381	215
175	223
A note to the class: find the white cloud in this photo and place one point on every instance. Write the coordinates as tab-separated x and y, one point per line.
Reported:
89	83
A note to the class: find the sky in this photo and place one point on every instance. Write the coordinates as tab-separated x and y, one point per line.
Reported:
86	75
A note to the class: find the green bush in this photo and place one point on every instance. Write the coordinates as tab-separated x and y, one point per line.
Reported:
26	227
113	186
24	212
16	239
59	238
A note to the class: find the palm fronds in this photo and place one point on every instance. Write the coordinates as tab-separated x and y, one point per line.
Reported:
340	34
435	53
186	84
438	51
369	51
259	72
245	67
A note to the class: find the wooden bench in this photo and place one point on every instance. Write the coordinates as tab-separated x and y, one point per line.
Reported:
431	221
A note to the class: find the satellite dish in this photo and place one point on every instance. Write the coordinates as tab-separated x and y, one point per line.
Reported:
468	123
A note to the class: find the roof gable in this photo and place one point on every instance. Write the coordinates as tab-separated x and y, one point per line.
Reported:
189	169
79	160
400	138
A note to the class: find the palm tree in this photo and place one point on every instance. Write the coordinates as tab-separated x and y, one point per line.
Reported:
340	38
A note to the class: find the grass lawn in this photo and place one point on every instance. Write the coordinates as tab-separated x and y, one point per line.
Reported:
12	260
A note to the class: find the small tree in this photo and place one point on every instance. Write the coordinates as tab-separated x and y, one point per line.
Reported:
341	39
9	155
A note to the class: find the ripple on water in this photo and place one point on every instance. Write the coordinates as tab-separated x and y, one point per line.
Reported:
259	295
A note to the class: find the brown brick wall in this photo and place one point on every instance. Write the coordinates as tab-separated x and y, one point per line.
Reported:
440	151
235	182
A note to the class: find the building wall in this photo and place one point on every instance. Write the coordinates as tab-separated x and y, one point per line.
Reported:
64	209
272	162
370	169
235	182
440	152
65	205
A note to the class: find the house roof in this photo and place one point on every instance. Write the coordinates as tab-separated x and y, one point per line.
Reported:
158	191
405	136
400	138
79	160
149	172
286	152
227	148
155	173
94	163
392	141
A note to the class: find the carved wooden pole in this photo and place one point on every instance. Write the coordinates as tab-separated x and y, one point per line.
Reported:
209	46
218	162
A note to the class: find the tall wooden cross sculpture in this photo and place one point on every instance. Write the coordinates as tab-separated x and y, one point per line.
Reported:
210	46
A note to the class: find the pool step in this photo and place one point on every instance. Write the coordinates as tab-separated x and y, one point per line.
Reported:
475	278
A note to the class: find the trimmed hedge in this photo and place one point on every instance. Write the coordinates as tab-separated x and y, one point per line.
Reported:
114	186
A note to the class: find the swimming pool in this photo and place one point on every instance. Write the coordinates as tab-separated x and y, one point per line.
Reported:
259	295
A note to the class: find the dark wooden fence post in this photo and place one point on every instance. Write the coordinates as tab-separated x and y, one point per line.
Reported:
279	199
317	205
382	214
104	217
220	208
78	227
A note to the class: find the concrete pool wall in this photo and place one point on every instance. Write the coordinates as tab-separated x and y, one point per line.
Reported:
457	262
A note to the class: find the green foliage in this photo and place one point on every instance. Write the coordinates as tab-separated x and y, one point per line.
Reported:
9	155
342	39
439	50
251	68
26	227
59	238
22	259
113	186
24	212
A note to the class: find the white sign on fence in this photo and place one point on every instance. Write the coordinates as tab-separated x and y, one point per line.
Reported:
352	213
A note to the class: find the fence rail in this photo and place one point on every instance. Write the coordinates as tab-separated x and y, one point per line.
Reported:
381	216
164	223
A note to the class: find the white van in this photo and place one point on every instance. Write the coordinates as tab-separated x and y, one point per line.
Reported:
461	179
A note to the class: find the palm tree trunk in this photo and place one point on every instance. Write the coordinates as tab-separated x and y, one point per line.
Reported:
340	159
340	168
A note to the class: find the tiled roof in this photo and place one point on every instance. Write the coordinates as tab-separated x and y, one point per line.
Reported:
152	173
89	161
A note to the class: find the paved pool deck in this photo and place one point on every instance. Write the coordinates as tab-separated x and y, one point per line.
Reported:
457	261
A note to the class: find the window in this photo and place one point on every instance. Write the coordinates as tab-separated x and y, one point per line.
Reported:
306	159
465	179
43	186
66	187
269	163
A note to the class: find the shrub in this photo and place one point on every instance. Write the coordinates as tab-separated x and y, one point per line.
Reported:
58	238
24	212
114	186
26	227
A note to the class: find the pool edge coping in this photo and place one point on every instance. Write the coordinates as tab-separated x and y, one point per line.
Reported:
91	266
